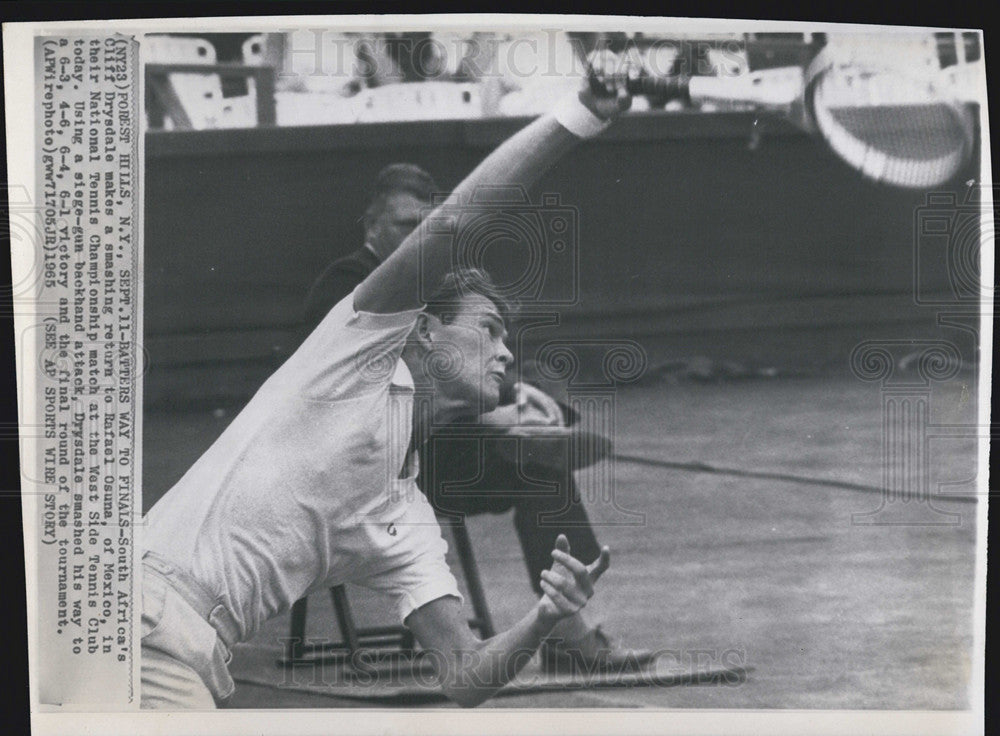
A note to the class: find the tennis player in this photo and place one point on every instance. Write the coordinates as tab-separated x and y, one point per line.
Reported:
313	483
402	193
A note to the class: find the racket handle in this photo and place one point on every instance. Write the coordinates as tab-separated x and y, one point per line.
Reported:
675	87
767	89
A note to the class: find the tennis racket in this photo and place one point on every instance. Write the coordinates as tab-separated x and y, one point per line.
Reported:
891	127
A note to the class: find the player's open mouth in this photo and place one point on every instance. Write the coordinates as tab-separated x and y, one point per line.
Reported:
497	375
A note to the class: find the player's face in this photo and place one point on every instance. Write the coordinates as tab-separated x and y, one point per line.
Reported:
399	217
469	368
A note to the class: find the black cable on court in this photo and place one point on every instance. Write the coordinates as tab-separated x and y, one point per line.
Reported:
700	467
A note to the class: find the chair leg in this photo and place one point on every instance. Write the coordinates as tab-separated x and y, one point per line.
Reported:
345	619
297	650
407	642
463	545
296	643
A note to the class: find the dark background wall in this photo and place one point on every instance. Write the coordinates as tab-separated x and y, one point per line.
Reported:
692	241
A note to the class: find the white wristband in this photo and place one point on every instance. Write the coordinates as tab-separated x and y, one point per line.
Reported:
575	117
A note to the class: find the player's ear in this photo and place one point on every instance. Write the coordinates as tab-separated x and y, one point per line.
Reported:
421	334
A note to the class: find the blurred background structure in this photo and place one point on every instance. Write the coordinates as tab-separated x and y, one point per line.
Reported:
312	77
710	236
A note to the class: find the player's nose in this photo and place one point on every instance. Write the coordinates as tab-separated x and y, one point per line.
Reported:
504	355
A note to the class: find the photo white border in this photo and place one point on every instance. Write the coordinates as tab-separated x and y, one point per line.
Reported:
19	86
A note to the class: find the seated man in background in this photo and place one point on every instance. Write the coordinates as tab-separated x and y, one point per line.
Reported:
402	194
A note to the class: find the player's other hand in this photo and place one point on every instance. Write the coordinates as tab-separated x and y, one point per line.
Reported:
605	88
569	583
533	408
536	408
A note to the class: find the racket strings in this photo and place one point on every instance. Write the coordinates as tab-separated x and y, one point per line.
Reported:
889	128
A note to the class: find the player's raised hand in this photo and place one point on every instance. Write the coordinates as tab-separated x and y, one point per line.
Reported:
605	90
569	584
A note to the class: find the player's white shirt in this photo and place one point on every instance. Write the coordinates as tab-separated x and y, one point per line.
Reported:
302	490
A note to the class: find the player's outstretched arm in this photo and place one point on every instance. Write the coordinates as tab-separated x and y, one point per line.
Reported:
471	670
395	285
